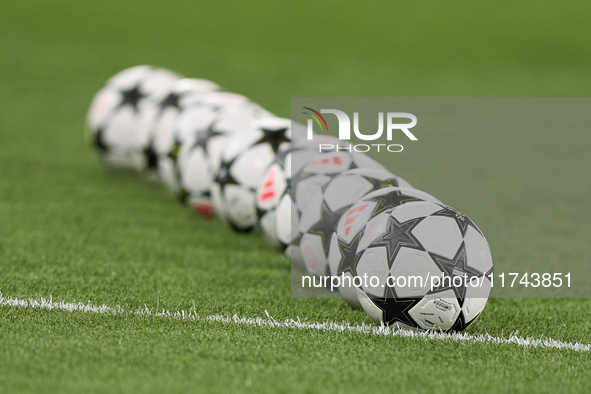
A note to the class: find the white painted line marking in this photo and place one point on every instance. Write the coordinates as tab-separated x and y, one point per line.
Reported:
295	324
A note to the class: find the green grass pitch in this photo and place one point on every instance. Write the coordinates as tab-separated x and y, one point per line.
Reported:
70	230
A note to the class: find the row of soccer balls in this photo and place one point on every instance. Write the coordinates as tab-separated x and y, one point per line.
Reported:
334	213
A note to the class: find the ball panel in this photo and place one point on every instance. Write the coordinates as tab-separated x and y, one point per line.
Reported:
477	251
416	267
268	228
345	190
308	187
329	163
271	187
239	205
249	166
354	220
167	173
195	175
103	104
439	235
414	209
475	301
121	131
312	213
374	229
298	159
376	314
284	220
432	313
312	252
374	262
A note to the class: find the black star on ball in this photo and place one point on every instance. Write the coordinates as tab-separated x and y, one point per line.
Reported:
462	220
203	136
378	184
398	235
456	267
395	310
131	97
274	137
390	200
327	224
172	100
224	176
348	251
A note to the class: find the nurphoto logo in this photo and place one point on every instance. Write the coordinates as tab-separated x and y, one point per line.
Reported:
345	129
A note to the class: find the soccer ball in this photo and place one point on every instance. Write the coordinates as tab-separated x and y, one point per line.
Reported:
245	158
198	117
199	159
429	268
351	230
314	174
317	172
275	196
182	93
274	200
322	211
117	122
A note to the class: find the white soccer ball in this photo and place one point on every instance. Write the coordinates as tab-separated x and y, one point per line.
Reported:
429	268
200	158
274	200
244	160
353	228
198	117
322	211
118	121
182	93
315	173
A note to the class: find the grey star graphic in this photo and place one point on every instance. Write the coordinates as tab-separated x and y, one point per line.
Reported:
462	220
455	267
391	200
327	224
398	235
348	251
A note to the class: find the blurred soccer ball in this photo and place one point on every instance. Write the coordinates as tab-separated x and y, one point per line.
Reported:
414	243
244	160
118	121
316	172
274	200
351	229
163	115
200	158
198	117
322	211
